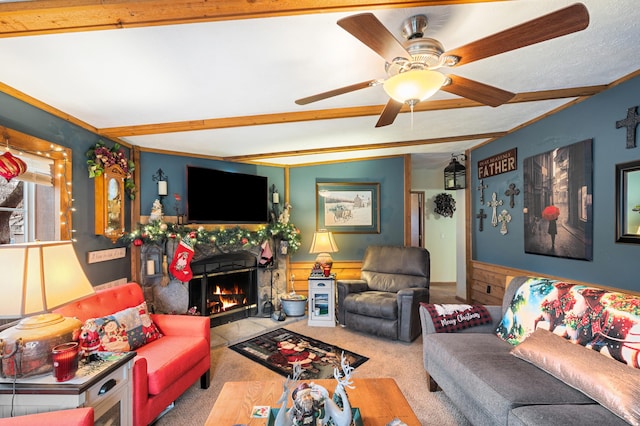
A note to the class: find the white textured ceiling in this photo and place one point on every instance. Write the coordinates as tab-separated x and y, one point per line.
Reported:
214	70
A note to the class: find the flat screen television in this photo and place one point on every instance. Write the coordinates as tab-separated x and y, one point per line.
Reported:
215	196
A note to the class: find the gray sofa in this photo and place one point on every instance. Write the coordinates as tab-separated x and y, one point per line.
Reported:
384	302
490	386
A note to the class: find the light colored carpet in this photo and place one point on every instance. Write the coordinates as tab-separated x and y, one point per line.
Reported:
401	361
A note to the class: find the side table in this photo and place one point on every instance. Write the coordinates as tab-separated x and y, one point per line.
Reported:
104	385
322	301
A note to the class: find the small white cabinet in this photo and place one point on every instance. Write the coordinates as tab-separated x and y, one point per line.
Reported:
322	301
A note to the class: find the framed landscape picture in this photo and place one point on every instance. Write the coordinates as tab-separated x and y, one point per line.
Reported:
348	207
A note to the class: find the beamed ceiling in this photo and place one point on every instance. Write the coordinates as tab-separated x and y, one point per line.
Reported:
220	78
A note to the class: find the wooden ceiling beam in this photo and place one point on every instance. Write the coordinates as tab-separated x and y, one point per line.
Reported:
57	16
301	152
327	114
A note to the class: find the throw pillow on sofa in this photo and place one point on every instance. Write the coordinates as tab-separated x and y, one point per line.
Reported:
603	320
613	384
122	331
449	318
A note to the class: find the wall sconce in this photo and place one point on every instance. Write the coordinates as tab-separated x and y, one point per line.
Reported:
455	173
163	188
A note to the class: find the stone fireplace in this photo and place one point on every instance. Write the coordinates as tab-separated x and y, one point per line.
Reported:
224	287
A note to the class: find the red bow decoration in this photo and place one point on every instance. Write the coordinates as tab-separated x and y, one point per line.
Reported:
11	166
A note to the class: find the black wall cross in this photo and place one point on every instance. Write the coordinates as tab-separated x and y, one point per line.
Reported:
482	215
631	122
512	192
481	188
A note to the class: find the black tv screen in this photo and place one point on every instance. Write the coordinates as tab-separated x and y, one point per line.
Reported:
215	196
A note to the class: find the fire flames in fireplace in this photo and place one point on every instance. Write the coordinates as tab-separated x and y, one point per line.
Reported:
226	299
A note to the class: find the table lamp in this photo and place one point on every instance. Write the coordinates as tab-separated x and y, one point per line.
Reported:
324	244
37	278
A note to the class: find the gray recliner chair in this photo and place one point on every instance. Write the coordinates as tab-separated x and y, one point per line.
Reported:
384	302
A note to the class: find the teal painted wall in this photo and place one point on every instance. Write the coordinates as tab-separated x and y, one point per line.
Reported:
388	172
614	264
27	119
175	167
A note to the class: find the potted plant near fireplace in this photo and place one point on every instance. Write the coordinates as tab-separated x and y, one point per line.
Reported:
293	304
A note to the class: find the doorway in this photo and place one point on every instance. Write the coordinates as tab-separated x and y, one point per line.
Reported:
417	218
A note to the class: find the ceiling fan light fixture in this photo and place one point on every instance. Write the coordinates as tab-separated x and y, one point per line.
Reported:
413	86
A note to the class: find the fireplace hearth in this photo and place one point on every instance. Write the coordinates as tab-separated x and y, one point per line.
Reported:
225	287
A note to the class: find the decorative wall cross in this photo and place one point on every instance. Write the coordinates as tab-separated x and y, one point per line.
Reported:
631	122
494	203
481	188
512	192
504	218
481	215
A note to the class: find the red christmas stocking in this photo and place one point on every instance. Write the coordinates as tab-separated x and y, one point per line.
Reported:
181	264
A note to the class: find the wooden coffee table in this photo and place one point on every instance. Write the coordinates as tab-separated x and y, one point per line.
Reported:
379	401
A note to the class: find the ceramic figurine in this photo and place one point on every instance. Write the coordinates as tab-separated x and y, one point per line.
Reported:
156	211
311	402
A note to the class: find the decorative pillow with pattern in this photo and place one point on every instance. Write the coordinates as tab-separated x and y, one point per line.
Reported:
449	318
122	331
603	320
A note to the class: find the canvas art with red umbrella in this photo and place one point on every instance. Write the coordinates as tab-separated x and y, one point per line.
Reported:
557	199
550	213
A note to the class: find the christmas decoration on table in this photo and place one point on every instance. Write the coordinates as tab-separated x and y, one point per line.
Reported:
445	205
311	402
99	157
181	264
225	239
11	166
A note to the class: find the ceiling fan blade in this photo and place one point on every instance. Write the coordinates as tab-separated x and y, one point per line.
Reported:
369	30
476	91
336	92
556	24
389	113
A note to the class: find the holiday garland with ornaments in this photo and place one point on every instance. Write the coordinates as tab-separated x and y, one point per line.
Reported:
157	232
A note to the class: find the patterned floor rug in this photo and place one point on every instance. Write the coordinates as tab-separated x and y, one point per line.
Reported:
279	349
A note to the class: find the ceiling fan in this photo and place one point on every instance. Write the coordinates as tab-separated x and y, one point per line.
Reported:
412	66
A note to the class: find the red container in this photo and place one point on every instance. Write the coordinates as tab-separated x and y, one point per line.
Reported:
65	361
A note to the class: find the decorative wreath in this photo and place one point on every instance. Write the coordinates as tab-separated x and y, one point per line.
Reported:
445	205
100	157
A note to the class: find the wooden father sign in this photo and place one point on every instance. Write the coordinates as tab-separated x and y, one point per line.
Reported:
501	163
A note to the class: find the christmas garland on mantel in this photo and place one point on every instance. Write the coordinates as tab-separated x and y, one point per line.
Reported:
226	239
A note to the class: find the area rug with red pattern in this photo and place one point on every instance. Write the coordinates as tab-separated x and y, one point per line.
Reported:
280	349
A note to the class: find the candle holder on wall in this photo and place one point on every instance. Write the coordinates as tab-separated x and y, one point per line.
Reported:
163	186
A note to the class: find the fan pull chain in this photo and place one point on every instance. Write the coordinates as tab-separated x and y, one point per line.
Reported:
411	106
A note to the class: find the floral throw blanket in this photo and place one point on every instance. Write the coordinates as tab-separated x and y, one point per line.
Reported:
603	320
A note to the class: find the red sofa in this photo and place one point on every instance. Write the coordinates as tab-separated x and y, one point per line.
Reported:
164	368
74	417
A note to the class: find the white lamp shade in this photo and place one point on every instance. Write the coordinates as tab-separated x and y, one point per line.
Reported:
323	242
39	277
414	86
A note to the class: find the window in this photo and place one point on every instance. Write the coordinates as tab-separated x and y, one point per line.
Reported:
36	205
